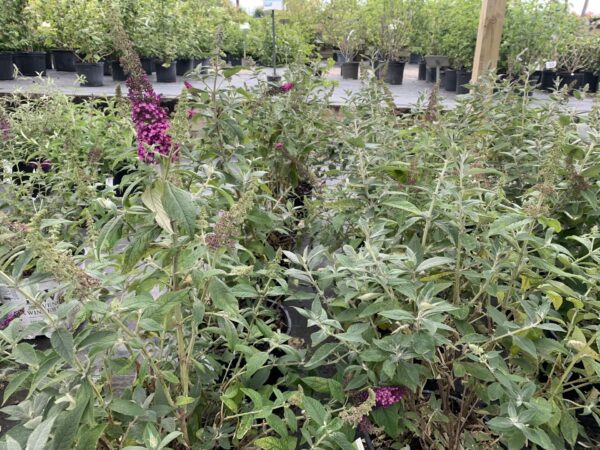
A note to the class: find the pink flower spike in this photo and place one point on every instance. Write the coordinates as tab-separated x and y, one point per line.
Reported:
191	113
279	146
188	85
287	87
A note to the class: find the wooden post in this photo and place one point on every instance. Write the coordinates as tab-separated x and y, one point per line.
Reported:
489	35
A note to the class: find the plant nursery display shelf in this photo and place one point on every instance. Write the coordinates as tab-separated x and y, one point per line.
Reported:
405	95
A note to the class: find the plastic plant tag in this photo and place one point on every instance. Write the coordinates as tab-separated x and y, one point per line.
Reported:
359	444
550	65
276	5
32	314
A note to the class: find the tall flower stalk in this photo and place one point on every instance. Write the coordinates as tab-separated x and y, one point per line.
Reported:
150	118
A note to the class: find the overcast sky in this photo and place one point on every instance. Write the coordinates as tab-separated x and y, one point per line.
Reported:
594	5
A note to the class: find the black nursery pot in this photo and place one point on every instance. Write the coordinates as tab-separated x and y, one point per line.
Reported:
107	67
422	71
234	60
93	73
379	69
166	74
204	64
118	74
31	64
450	80
415	58
147	65
431	74
462	77
547	80
64	60
395	72
350	70
49	65
184	66
572	80
592	81
6	66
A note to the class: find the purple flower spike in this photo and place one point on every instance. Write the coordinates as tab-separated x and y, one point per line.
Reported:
388	395
151	121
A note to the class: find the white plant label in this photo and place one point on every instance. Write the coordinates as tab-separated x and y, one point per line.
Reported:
359	444
550	64
276	5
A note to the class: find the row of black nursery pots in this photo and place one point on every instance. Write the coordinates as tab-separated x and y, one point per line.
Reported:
392	72
37	63
163	74
452	80
576	80
31	64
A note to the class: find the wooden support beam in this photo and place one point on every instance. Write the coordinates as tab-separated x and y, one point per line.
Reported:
489	35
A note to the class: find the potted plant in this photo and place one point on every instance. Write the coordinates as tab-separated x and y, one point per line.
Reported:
395	33
458	38
31	60
345	27
164	46
233	43
91	42
431	41
576	56
185	37
128	12
62	18
9	35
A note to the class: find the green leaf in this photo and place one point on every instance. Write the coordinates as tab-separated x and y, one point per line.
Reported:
290	418
39	437
12	444
255	362
139	246
181	208
539	437
320	355
278	425
315	410
387	418
271	443
222	297
569	428
68	422
526	345
126	407
433	262
168	439
478	371
62	342
15	384
397	314
592	171
244	426
152	199
231	71
25	354
108	234
405	206
89	439
317	384
183	400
